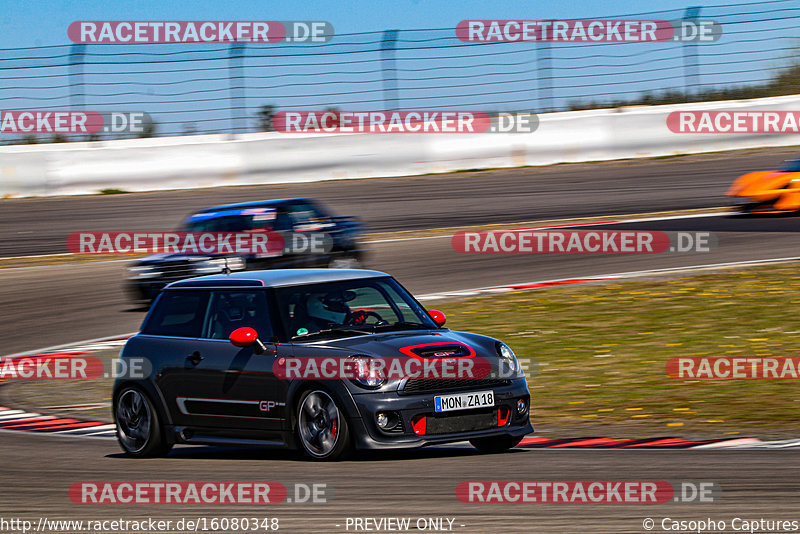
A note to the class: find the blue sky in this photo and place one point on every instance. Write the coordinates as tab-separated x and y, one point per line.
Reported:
186	87
40	22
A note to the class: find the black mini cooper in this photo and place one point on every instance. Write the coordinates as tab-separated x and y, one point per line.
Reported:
323	360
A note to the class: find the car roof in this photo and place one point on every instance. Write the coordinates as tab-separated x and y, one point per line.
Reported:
256	204
243	208
276	278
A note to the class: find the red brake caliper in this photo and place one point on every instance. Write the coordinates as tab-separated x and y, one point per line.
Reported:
334	428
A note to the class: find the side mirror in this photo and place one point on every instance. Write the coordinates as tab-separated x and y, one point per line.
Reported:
438	317
247	337
243	337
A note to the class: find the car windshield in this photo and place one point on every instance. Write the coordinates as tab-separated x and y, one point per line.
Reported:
792	166
232	223
349	307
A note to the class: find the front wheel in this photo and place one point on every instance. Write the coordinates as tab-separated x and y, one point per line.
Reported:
138	429
495	444
322	426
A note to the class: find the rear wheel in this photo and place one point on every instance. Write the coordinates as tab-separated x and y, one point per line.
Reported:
322	426
138	428
495	444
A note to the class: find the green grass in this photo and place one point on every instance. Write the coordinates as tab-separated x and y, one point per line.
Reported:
113	191
601	351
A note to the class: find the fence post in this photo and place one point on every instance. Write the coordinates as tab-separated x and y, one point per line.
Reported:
388	45
691	74
75	76
236	78
544	76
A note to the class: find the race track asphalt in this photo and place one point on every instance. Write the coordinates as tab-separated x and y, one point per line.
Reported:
47	305
41	225
38	471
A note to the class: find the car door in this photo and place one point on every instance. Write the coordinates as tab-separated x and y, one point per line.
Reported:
229	387
265	220
311	238
170	340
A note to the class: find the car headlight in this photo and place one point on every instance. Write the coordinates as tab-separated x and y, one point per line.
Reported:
141	271
210	266
217	265
510	367
366	374
235	263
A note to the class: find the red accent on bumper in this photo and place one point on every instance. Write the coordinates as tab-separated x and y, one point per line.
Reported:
419	423
502	416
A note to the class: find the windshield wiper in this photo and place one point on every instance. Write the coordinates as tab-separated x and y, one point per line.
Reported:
403	325
335	330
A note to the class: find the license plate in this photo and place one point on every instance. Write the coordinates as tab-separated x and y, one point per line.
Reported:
463	401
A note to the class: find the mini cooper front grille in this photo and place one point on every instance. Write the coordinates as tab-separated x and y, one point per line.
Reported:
433	385
467	422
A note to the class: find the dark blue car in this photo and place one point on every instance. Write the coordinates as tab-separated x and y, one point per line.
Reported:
336	243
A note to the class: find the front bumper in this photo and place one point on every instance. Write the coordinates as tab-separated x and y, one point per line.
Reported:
755	208
449	427
144	290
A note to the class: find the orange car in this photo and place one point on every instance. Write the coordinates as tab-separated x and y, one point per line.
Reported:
776	191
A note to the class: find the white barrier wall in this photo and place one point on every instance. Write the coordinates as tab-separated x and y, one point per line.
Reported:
217	160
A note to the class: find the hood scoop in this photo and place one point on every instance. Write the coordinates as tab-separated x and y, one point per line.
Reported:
439	350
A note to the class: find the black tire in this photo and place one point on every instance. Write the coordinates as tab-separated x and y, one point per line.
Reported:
139	430
495	444
322	429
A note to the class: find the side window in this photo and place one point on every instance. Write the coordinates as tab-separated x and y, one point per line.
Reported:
177	313
283	221
235	223
369	299
407	314
304	216
265	219
232	223
229	310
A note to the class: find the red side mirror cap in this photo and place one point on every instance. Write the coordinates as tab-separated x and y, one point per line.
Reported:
438	317
243	337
